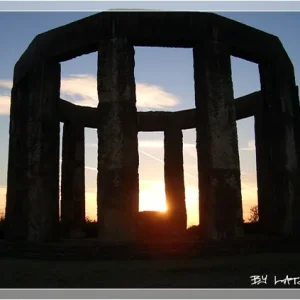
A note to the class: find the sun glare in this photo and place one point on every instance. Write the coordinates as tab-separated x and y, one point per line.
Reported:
152	197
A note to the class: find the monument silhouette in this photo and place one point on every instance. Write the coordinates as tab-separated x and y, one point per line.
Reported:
32	208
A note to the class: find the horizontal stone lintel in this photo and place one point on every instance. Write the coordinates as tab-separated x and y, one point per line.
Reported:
154	120
151	29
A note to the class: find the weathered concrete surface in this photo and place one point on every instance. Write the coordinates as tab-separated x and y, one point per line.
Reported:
277	162
217	147
118	185
174	179
153	225
245	107
296	208
73	180
84	115
167	29
33	168
16	210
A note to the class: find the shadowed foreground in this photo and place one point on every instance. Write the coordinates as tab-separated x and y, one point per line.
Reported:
223	272
159	263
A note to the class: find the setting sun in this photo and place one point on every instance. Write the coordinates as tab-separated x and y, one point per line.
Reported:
152	197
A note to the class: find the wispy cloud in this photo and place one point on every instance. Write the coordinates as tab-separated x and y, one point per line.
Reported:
188	148
149	144
153	96
5	87
6	84
162	162
81	89
159	144
4	105
251	146
91	168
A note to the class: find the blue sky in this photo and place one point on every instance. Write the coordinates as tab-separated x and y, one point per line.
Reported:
164	78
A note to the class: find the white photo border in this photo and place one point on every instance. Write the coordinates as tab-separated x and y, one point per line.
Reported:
97	6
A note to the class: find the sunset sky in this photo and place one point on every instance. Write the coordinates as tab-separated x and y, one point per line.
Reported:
164	81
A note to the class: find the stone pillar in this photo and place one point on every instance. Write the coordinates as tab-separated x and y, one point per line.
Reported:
174	180
296	209
117	182
276	150
217	148
72	181
32	211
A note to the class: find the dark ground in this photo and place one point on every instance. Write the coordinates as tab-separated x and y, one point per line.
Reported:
156	264
220	272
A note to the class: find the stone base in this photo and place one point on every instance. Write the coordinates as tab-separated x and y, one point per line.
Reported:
117	227
77	234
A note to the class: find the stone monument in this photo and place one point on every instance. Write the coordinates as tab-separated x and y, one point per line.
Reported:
32	209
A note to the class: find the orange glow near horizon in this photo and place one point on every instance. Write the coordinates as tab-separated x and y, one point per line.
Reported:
152	198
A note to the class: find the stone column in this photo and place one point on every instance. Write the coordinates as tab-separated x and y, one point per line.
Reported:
32	210
72	181
174	180
276	150
117	182
296	208
217	148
